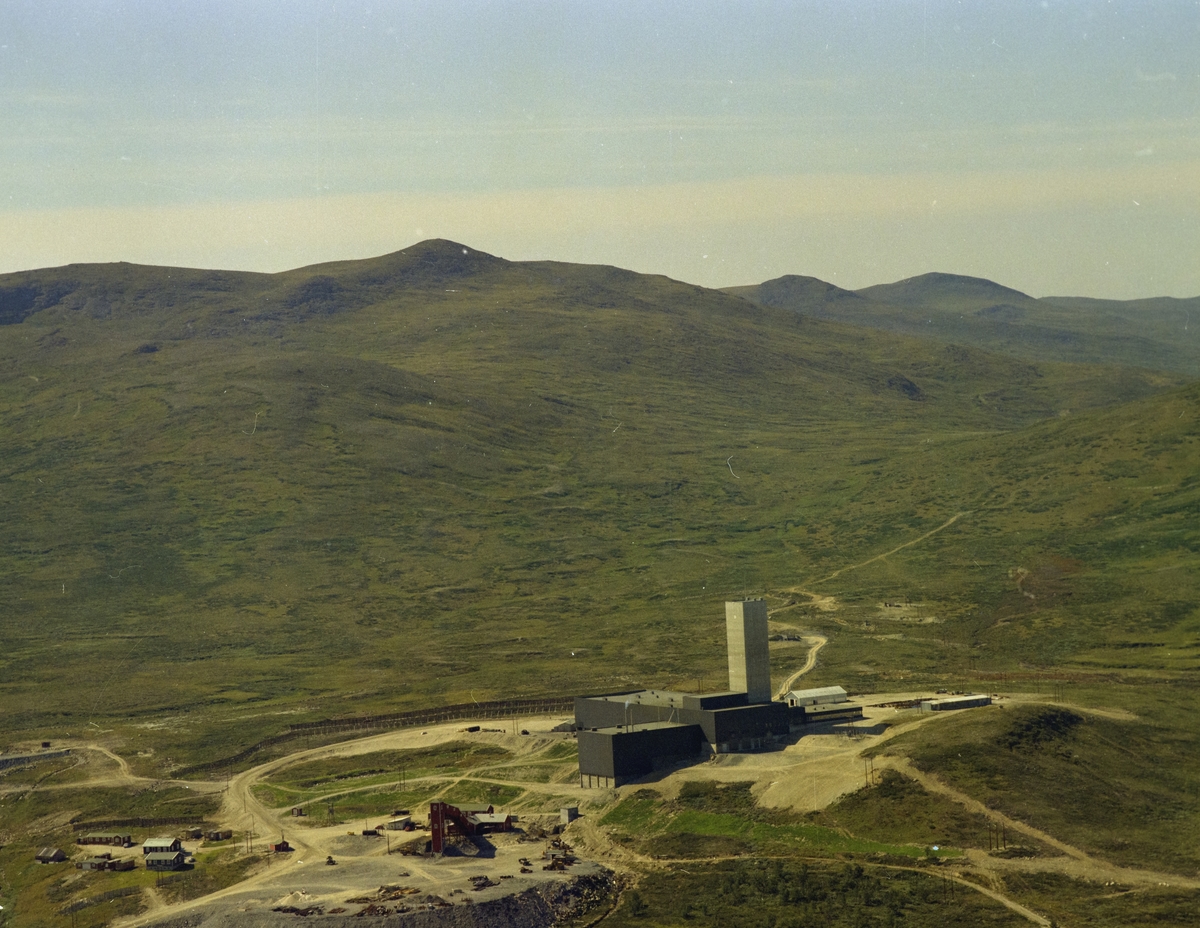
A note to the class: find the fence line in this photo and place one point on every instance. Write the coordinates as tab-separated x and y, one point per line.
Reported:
495	709
97	900
134	823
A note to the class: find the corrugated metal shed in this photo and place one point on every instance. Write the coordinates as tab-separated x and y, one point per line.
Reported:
970	701
819	696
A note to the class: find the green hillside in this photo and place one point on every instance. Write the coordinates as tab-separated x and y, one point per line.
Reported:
1153	333
231	501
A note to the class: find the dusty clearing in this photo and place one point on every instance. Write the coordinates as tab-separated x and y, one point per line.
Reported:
809	773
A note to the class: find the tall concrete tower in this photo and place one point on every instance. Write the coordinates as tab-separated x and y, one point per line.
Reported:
749	660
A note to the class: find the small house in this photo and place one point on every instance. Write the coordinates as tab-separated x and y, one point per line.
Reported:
399	823
50	855
281	847
161	846
164	860
298	812
221	834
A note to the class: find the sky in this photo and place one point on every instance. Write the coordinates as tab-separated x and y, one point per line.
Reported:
1050	146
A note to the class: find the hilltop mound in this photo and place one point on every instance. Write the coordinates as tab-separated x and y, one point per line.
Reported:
431	263
793	288
937	289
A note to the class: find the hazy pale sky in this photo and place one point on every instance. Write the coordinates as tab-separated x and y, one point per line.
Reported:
1051	146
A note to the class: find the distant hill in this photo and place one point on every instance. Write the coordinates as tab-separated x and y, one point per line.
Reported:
945	290
1152	333
233	500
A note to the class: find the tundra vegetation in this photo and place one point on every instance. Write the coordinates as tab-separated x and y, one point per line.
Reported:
230	502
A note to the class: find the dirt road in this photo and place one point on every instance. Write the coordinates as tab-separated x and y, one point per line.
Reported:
908	544
817	642
809	774
101	778
301	877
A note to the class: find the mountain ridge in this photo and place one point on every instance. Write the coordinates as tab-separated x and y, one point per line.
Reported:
385	489
1153	333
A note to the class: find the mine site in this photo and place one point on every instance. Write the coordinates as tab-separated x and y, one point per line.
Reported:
544	464
550	848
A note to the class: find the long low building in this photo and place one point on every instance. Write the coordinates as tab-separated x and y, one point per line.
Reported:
970	701
821	696
113	838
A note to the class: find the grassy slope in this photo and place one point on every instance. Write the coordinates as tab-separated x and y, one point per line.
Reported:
1153	333
434	475
1123	790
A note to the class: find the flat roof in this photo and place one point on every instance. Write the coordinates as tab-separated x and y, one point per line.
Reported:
951	700
645	726
668	698
645	698
818	691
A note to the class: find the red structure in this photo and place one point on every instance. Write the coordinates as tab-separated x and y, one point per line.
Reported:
445	820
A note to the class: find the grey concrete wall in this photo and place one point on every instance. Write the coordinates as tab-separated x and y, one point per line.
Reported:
749	658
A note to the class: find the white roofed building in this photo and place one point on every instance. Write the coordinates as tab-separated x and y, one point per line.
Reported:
821	696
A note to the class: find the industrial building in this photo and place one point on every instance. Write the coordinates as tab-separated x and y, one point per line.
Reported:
749	659
446	820
623	736
821	696
970	701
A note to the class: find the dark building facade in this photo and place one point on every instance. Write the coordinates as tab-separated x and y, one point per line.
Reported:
612	756
623	736
626	735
